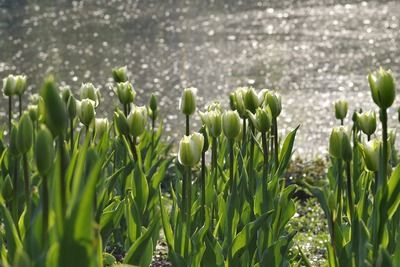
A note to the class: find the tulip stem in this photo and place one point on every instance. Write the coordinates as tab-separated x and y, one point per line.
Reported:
20	105
62	176
339	192
251	159
187	125
244	135
385	145
45	213
276	146
341	122
203	186
188	206
71	125
265	153
231	170
15	200
133	147
126	110
9	115
349	190
26	184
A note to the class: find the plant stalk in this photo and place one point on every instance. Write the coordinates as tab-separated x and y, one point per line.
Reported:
45	214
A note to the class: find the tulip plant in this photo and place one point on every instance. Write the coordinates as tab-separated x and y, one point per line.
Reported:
362	210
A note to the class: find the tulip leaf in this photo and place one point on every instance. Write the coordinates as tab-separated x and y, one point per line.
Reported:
286	152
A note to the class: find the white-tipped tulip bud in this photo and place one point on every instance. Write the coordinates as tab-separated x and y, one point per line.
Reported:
44	150
190	148
335	142
121	123
20	84
9	85
262	119
213	121
125	92
341	108
137	120
65	93
231	124
33	112
262	96
367	122
383	87
88	91
239	101
25	133
86	111
101	126
274	103
370	152
71	107
187	104
251	100
120	74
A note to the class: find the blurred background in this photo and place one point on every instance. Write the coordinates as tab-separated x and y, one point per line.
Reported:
312	52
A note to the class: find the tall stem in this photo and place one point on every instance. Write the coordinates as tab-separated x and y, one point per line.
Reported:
187	125
339	192
203	186
20	105
71	133
9	115
45	214
26	185
188	199
231	170
63	186
349	190
276	147
125	110
251	159
15	198
265	153
385	144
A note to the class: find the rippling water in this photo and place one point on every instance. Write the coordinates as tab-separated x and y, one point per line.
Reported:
311	51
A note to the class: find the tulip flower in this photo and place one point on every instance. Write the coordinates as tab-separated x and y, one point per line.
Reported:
341	108
9	85
370	152
213	121
88	91
231	124
137	120
125	92
190	148
120	74
367	122
383	88
187	104
262	119
101	126
250	99
86	111
274	103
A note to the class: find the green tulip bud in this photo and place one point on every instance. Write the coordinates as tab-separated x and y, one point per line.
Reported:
206	145
120	74
71	107
347	152
125	92
101	126
86	111
153	102
262	96
53	110
137	120
88	91
383	88
251	100
9	85
214	106
190	148
121	122
232	101
213	121
187	104
239	101
370	152
367	122
274	103
44	151
262	119
13	141
341	108
25	133
231	124
33	112
335	142
65	93
20	84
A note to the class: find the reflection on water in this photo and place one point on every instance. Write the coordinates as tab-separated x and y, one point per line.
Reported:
311	51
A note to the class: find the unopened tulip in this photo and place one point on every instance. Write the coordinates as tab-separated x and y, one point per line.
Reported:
341	108
383	88
125	92
120	74
187	103
231	124
190	148
44	151
137	120
274	103
86	111
367	122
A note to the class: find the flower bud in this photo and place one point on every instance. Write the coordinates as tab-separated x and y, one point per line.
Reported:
262	119
274	103
125	92
370	152
120	74
89	91
33	112
20	84
262	96
44	150
335	142
251	100
187	103
25	133
65	93
71	107
231	124
347	152
341	108
232	101
190	148
52	109
383	88
121	122
13	141
206	145
239	101
9	85
153	102
101	126
213	121
367	122
86	111
137	121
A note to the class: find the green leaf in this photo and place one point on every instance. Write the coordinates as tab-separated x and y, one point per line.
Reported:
13	241
393	196
286	152
169	236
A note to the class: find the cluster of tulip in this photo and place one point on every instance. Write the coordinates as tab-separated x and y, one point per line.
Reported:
216	217
362	212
